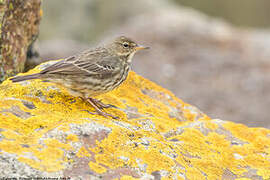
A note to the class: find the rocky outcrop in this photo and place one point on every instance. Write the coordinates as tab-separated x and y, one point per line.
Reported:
207	62
45	132
220	68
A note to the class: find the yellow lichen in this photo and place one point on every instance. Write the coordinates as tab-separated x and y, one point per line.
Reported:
97	168
134	142
193	173
83	152
72	137
264	173
211	125
125	177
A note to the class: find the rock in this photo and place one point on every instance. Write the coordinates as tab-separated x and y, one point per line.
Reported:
222	69
45	132
207	62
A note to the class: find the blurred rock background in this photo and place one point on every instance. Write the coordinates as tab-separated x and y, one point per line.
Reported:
214	55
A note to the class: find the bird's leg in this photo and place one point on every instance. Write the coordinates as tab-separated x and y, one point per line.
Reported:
100	104
98	109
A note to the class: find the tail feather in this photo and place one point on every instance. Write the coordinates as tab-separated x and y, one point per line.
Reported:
23	78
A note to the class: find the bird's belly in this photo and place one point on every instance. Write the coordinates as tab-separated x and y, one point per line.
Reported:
92	86
89	87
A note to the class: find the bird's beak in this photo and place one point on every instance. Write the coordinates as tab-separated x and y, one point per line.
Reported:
139	47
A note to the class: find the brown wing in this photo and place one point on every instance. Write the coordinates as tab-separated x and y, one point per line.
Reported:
83	65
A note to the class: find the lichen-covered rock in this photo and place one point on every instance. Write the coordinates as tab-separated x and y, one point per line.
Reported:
44	131
221	68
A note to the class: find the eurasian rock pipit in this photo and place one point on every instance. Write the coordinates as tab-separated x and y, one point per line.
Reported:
92	72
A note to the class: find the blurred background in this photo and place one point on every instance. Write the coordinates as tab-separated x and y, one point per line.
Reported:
212	54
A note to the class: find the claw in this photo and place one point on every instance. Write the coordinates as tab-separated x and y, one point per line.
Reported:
98	105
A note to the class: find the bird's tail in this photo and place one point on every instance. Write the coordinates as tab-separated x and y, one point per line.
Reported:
23	78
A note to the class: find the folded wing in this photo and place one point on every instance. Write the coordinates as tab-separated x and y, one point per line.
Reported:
87	67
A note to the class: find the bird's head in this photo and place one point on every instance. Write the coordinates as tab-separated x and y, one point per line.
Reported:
125	47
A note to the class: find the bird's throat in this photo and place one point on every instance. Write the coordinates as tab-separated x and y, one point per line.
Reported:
129	57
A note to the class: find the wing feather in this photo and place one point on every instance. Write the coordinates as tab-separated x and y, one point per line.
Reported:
83	65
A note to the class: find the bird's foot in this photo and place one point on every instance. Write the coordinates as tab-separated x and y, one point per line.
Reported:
98	105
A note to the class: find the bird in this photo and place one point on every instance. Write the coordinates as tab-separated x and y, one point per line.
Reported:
92	72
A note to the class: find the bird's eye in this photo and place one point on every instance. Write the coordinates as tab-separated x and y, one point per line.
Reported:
125	45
